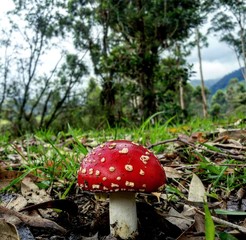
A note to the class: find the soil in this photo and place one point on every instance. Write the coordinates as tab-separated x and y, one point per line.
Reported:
92	222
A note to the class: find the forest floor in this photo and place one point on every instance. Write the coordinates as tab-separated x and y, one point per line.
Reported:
204	198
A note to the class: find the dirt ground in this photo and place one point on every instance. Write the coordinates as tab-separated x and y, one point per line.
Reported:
92	222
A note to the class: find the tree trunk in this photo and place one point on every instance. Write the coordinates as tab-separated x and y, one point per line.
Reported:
243	52
181	94
204	100
146	71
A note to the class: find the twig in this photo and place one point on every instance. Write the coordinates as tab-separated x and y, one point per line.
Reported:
178	139
211	151
224	222
180	166
163	142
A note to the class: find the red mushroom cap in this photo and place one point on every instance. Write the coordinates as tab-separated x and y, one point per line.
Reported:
121	165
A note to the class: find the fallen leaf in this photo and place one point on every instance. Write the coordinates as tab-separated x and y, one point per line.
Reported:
179	219
31	221
172	172
16	203
197	191
241	193
198	137
32	192
237	134
66	205
199	222
8	231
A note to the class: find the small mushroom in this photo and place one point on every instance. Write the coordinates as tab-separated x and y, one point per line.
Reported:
126	168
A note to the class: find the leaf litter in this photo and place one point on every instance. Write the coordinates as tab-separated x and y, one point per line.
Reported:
203	168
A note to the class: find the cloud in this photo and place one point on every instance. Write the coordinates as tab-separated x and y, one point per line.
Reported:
214	69
218	59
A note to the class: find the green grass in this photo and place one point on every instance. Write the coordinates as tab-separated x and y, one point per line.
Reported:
54	158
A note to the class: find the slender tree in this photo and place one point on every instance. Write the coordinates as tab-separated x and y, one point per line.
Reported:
204	98
4	68
38	96
200	41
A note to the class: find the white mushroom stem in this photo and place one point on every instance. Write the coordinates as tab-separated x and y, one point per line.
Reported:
123	215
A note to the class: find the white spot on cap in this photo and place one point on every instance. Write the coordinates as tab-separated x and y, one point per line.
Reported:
102	145
144	159
141	172
99	154
83	170
147	153
105	188
129	184
112	145
104	178
103	159
112	169
91	171
124	150
118	178
113	185
95	186
144	185
97	172
128	167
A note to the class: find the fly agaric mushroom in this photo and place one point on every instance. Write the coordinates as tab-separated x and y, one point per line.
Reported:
121	168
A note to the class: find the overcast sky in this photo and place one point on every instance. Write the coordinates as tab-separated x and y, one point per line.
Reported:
217	59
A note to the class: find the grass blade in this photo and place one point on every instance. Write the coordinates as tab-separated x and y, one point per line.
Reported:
209	224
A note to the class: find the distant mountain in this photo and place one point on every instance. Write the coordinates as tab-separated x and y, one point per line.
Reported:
224	81
208	83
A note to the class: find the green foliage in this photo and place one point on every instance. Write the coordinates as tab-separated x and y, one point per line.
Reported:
138	53
209	224
134	36
229	102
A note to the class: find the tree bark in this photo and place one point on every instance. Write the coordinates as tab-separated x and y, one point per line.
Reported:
204	100
181	94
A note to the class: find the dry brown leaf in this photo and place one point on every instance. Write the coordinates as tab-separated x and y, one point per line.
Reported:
32	193
8	231
179	219
172	172
31	221
237	134
7	176
241	193
66	205
17	202
198	137
199	222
